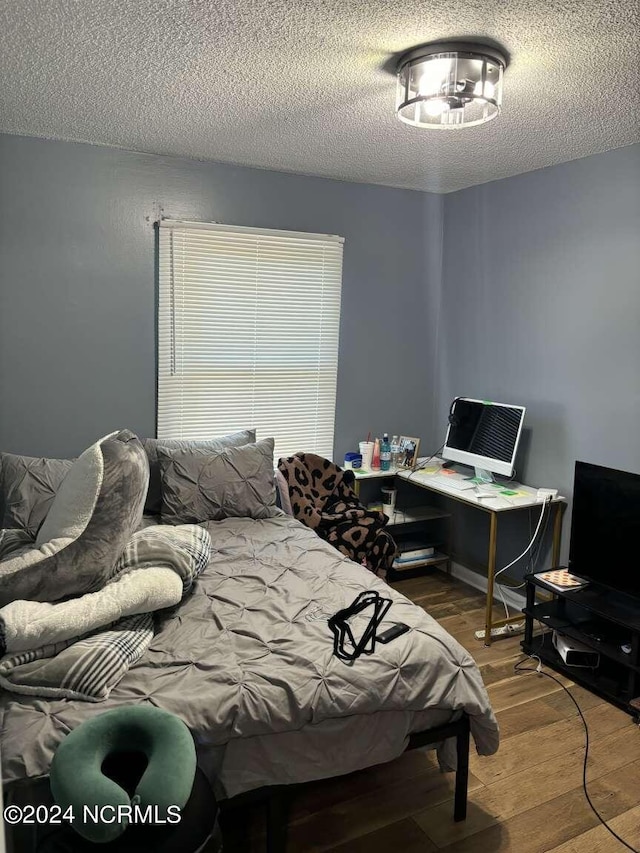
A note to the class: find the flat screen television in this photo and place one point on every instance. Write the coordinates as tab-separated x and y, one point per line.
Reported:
484	434
605	527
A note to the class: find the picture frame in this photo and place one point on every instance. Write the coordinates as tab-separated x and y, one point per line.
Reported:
409	447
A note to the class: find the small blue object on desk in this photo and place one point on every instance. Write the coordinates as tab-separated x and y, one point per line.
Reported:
353	460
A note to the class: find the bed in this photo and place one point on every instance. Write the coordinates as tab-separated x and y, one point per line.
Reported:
246	660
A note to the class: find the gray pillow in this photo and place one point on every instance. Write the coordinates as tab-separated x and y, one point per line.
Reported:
28	485
92	517
234	482
154	495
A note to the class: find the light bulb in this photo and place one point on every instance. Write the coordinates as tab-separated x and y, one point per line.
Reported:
434	76
489	89
435	108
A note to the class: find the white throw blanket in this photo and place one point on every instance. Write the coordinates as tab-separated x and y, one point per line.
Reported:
81	648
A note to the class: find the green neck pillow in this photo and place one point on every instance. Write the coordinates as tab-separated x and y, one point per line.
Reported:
78	778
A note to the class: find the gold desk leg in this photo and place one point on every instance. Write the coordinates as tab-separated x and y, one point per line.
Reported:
491	568
557	534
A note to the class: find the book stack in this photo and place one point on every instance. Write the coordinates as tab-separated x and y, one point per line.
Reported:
415	555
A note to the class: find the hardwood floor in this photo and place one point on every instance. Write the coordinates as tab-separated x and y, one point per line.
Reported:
527	798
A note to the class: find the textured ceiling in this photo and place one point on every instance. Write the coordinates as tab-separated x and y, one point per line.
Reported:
300	86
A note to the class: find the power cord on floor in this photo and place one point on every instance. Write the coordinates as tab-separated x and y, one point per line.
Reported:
519	668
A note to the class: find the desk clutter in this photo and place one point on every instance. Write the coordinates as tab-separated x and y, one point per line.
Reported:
384	454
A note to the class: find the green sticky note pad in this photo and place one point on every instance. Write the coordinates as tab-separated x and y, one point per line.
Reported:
508	492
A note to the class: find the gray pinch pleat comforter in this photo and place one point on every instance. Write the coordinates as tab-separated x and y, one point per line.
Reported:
247	661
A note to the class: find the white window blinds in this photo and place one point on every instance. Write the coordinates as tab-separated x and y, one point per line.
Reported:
248	325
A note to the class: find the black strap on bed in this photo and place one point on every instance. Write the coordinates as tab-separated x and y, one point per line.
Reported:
342	633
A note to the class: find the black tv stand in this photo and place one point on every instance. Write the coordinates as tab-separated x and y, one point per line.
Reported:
599	618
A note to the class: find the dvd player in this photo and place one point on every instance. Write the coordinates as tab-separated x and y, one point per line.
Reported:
574	653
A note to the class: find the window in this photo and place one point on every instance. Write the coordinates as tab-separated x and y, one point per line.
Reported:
248	326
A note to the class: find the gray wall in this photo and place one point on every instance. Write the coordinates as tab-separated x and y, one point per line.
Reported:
525	290
77	287
541	306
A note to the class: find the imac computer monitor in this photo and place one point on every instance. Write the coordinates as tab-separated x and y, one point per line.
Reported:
484	435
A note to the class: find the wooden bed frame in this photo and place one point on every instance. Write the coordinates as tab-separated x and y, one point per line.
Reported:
276	798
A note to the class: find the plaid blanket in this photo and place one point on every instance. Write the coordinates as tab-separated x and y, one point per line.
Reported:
81	648
322	497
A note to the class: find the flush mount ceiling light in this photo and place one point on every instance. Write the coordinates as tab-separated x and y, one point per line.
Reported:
450	84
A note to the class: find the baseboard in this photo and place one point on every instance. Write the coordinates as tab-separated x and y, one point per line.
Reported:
514	600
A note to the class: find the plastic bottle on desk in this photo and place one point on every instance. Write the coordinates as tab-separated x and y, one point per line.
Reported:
395	451
385	453
375	462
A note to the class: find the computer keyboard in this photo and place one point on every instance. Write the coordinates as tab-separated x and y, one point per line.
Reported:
450	482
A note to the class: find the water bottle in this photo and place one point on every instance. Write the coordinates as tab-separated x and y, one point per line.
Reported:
385	453
395	451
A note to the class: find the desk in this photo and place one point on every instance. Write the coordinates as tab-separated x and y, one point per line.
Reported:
366	474
525	498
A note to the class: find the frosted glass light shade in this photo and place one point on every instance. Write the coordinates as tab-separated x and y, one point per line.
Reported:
449	85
